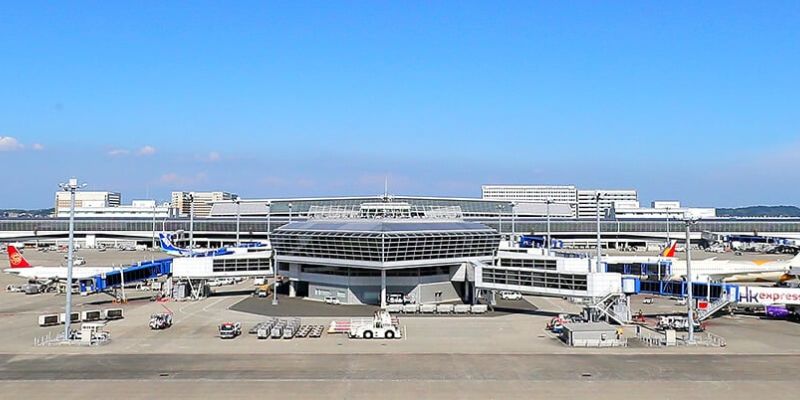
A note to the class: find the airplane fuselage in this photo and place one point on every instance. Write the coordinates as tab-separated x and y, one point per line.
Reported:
58	273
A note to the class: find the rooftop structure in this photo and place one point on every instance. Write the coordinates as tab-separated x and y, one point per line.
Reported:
348	250
203	201
87	199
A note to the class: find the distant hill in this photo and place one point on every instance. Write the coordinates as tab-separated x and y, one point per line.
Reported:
760	211
13	212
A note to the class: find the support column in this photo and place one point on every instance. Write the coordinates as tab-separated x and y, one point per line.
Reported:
383	288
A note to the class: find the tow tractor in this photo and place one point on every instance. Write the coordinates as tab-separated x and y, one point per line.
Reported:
556	325
678	324
230	330
160	321
380	326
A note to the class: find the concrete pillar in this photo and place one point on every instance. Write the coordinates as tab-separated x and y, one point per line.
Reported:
292	288
383	288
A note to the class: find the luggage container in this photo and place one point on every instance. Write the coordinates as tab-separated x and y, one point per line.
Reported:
277	332
49	319
76	317
113	313
427	308
444	308
461	308
479	309
91	315
411	308
394	308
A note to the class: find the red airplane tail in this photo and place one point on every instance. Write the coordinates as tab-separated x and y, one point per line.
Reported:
16	259
670	251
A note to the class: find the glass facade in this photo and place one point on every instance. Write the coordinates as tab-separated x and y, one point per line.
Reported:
549	265
527	225
535	278
241	264
385	247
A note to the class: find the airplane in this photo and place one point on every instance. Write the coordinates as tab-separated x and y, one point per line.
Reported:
168	247
711	269
21	267
736	271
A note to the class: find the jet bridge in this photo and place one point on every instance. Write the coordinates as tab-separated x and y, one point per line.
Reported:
602	291
142	271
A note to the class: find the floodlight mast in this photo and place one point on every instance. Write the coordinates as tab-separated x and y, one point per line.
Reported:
689	220
71	186
597	211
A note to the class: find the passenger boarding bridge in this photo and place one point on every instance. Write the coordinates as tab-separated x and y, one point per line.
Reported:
606	290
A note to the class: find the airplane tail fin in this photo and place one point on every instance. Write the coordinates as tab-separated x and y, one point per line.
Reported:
16	259
670	251
165	241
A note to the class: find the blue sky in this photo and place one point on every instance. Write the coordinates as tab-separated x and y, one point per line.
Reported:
696	101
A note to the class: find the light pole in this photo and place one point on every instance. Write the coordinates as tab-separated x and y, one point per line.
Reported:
668	241
290	213
599	252
269	225
513	220
153	244
689	220
500	221
191	221
238	216
274	279
71	187
548	202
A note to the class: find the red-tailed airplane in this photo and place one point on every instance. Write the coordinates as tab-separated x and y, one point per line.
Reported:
21	267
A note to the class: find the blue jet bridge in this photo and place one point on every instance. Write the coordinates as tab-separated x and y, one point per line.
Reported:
135	273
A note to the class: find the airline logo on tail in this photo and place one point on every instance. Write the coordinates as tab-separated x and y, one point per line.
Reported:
16	259
670	251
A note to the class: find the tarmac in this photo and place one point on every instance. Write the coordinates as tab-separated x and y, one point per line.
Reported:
507	356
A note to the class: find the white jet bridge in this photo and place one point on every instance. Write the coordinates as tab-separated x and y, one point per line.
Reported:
539	274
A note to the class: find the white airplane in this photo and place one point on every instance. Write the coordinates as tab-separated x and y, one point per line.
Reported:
21	267
731	271
170	248
736	271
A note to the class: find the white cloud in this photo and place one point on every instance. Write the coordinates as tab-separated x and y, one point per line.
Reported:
37	146
8	143
118	152
173	178
147	151
169	178
213	156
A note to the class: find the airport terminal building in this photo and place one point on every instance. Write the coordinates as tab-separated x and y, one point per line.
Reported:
261	217
363	254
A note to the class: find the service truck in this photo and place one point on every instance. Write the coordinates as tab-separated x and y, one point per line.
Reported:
380	326
230	330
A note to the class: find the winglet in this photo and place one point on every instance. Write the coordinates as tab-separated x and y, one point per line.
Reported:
16	259
670	251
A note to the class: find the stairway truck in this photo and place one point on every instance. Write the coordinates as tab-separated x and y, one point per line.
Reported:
380	327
